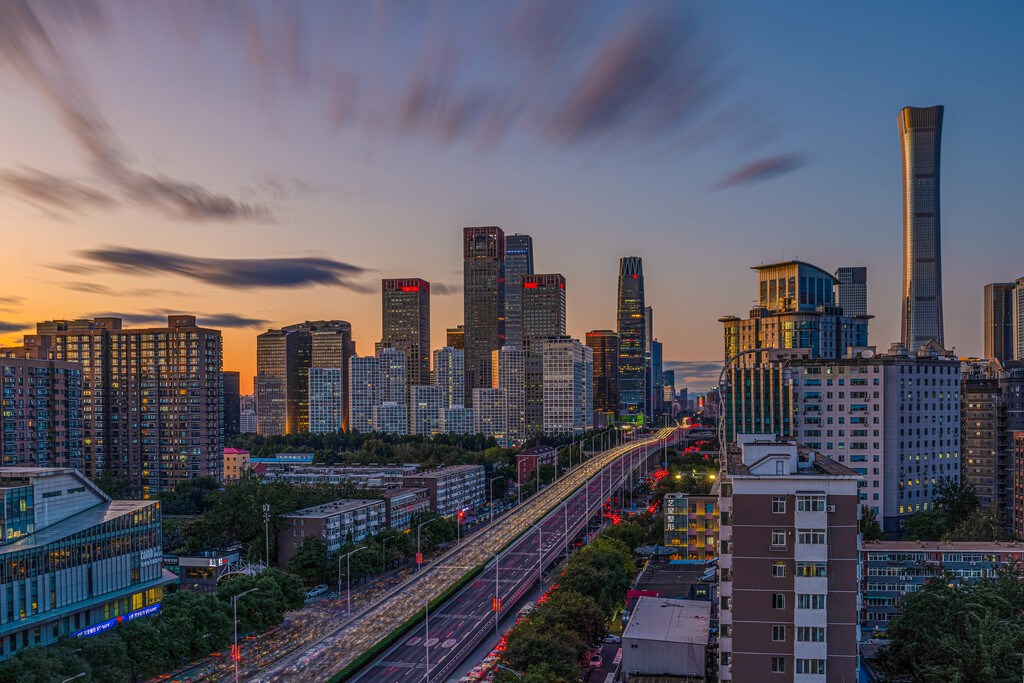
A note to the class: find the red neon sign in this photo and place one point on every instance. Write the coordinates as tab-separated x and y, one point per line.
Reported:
410	289
529	285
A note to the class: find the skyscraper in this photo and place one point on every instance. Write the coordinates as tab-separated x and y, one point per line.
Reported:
632	338
920	146
1018	318
518	262
543	316
449	374
851	293
405	314
509	375
326	398
332	346
999	321
605	345
483	252
231	408
568	386
41	423
456	337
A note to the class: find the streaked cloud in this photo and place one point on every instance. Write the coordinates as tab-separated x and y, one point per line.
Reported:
233	273
698	376
761	170
159	318
8	327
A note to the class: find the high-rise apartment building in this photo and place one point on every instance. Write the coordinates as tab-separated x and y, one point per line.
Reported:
364	374
126	430
231	408
41	420
406	325
920	131
509	375
543	316
283	360
326	400
457	420
449	374
568	386
788	556
893	418
426	409
490	411
483	251
391	384
456	337
378	381
851	293
390	417
632	339
605	346
999	321
518	262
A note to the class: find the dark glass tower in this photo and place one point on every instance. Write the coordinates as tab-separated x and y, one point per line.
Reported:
483	254
543	316
920	151
632	339
230	407
405	316
518	262
999	321
605	345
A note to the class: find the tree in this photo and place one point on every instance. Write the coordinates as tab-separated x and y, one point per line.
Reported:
979	525
192	624
926	525
957	498
576	612
530	645
42	665
631	533
116	485
145	651
259	611
869	526
310	560
950	632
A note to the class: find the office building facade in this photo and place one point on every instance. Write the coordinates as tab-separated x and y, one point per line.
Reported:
509	375
1018	319
458	420
490	413
999	321
632	340
605	346
231	407
364	374
568	386
449	374
326	400
76	563
920	131
456	337
451	489
543	317
518	262
391	418
851	290
41	420
691	525
483	251
788	580
426	409
405	312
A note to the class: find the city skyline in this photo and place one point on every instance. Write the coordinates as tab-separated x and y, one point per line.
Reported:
204	203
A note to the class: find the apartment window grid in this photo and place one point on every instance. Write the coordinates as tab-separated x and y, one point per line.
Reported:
778	504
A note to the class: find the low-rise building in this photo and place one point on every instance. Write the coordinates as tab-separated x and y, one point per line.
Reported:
892	570
403	505
667	637
236	461
335	523
532	458
73	561
452	489
691	525
369	476
202	571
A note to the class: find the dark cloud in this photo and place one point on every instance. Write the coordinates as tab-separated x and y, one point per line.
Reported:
30	38
159	318
6	327
441	289
761	170
11	300
235	273
87	287
698	376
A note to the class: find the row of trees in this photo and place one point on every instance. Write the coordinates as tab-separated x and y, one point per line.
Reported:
549	646
955	515
188	626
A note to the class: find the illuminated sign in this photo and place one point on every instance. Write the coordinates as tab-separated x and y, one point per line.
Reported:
109	623
410	289
529	285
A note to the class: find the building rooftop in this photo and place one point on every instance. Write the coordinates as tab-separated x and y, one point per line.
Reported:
941	546
538	450
403	491
811	463
86	519
446	471
671	621
333	508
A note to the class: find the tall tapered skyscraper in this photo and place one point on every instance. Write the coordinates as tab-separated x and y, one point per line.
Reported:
483	253
632	338
920	146
518	262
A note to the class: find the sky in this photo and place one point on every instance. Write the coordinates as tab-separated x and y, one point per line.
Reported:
260	164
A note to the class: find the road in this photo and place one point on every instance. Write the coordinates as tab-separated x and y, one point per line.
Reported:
464	617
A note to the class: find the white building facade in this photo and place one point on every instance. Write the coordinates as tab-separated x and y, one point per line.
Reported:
568	386
426	411
449	374
326	398
509	374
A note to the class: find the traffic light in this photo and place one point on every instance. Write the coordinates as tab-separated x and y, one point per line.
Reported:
495	604
462	513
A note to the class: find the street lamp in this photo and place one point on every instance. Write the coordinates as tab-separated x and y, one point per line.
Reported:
518	675
497	597
721	399
419	553
348	577
540	558
234	607
426	630
383	555
83	673
266	529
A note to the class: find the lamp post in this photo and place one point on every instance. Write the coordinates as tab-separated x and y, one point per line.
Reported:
348	577
383	555
419	553
518	675
721	400
490	483
83	673
234	607
540	558
497	597
426	630
266	529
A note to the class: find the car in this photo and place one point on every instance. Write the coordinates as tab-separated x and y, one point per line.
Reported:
613	639
596	661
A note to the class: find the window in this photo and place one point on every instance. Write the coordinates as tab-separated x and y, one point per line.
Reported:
810	666
811	536
778	665
778	569
778	538
778	632
812	569
778	601
810	601
778	504
810	634
810	503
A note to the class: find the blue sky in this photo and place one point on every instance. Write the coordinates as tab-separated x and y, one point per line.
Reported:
271	162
